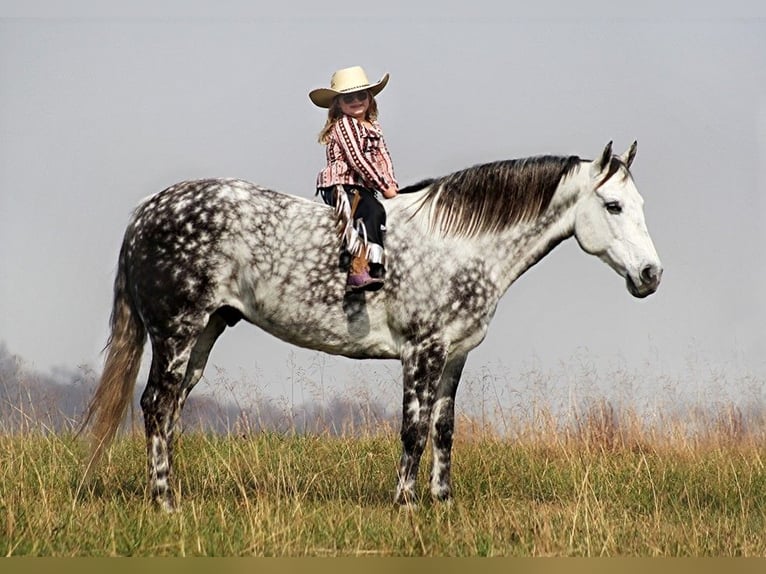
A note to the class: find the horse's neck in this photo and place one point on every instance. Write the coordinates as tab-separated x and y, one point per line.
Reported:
522	246
507	254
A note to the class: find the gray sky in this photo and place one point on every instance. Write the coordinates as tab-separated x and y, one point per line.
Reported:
100	109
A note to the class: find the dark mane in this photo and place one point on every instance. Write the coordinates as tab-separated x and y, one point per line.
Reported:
417	186
493	196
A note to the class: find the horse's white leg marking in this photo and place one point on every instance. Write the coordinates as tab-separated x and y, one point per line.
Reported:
159	473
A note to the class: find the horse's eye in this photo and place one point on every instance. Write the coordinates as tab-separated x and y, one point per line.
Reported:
613	207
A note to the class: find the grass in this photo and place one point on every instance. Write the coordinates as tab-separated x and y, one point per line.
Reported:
600	487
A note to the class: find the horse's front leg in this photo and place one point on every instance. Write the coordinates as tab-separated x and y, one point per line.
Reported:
443	427
422	366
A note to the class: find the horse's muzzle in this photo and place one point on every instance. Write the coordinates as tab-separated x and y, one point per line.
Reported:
648	282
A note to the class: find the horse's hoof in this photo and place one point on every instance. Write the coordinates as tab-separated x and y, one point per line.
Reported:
442	495
406	500
166	505
169	508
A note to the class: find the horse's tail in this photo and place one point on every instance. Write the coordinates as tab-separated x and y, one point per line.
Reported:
124	349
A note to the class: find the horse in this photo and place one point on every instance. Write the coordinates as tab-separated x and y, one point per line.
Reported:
202	255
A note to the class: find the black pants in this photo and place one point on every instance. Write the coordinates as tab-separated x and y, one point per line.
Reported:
369	209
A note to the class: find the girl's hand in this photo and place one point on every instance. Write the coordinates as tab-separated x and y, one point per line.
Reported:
390	191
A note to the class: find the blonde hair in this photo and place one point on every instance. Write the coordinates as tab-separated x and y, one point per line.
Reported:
334	113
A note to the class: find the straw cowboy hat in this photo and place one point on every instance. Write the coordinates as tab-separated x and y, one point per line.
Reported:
346	81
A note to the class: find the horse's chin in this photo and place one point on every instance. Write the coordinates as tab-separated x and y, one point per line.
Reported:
640	291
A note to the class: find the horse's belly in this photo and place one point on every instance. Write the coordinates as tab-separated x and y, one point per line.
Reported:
369	345
355	328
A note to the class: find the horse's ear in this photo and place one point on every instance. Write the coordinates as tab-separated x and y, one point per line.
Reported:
627	157
602	162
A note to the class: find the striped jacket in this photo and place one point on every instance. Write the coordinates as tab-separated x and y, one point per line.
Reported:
357	155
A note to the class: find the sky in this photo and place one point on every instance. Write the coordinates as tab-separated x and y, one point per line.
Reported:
99	109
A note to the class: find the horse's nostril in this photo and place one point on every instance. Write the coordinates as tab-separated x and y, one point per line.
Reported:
649	273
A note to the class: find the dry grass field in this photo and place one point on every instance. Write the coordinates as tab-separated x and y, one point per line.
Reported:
605	484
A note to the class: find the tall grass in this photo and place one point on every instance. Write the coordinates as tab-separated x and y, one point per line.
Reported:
598	487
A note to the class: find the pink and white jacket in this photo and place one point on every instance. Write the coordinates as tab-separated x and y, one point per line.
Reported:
357	155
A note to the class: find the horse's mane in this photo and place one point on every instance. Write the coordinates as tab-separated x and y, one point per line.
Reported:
494	196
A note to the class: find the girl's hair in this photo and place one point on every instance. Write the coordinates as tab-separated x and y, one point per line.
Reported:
335	113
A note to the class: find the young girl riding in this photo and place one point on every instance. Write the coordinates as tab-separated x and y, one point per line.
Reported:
358	166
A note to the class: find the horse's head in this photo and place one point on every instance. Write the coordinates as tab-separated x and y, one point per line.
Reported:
609	223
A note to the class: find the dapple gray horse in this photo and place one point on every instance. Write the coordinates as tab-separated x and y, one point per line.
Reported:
202	255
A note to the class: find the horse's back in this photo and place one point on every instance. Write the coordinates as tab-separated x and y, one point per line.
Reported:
186	247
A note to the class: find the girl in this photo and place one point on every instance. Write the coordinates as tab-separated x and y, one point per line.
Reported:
358	163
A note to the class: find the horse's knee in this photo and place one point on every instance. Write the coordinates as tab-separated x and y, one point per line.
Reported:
414	438
409	436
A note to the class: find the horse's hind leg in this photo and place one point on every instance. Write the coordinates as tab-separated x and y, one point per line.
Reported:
160	405
177	365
